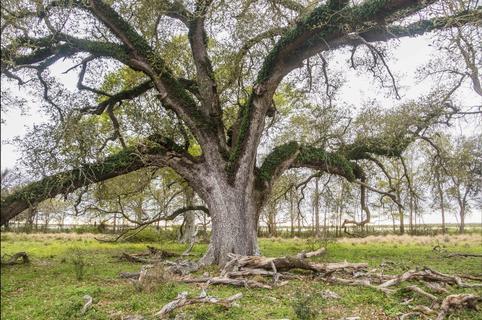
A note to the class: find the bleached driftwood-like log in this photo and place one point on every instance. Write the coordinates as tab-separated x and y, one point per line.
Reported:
436	287
303	255
429	275
424	310
457	301
183	300
182	267
358	282
287	263
421	292
238	282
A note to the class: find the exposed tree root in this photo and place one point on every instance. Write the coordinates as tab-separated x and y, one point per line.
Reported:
17	258
183	300
287	263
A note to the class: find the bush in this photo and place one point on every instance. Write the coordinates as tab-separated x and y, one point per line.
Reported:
150	234
304	307
78	261
86	229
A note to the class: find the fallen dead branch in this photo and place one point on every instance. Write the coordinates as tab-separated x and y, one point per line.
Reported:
287	263
316	253
17	258
428	275
464	255
457	301
240	282
181	267
136	258
470	277
424	310
238	270
183	300
409	315
87	304
129	275
152	255
357	282
435	287
421	292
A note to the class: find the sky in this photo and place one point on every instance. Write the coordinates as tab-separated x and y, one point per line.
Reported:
410	54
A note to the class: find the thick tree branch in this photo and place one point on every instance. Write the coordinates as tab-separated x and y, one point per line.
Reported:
207	85
154	152
327	27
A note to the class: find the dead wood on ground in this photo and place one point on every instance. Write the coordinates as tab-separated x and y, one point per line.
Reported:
183	300
17	258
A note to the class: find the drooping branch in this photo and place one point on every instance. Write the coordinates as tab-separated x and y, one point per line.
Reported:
154	152
139	226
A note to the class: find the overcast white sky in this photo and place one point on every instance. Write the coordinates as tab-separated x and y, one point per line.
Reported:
410	54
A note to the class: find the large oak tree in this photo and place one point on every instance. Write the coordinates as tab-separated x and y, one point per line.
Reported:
134	36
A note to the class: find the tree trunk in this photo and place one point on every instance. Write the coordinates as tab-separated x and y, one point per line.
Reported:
462	219
325	231
400	213
410	222
441	195
272	220
292	214
31	214
316	205
402	225
188	228
234	215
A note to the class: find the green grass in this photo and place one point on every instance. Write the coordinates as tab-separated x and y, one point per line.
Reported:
48	288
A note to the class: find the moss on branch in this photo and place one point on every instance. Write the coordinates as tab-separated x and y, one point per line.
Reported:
123	162
275	160
332	162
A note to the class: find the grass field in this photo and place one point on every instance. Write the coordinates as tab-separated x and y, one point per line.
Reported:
49	287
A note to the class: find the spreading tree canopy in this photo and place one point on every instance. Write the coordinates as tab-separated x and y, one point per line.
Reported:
194	86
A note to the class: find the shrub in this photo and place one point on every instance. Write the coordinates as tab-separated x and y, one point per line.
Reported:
86	229
150	234
78	261
304	307
145	235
